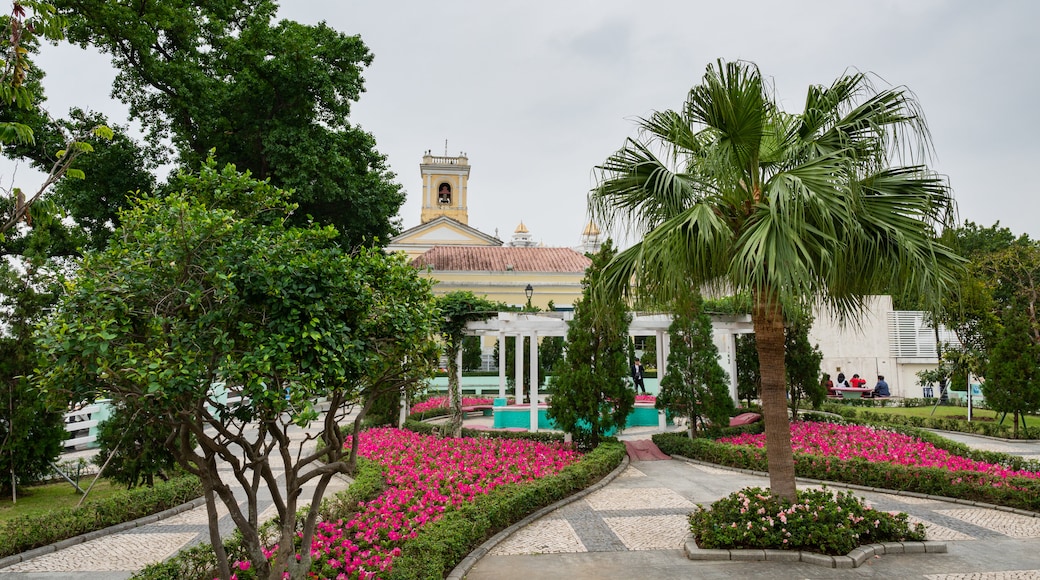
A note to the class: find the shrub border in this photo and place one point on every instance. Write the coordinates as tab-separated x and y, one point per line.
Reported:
93	535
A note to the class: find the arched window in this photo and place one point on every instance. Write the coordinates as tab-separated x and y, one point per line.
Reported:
444	194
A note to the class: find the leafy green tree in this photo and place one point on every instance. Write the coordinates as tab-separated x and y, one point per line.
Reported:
1012	382
802	360
749	382
472	355
455	310
273	98
21	92
590	388
132	447
210	286
733	192
694	386
32	427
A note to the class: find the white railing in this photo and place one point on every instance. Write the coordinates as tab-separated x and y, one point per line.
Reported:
86	418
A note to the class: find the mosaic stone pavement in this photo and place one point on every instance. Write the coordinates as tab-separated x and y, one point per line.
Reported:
636	513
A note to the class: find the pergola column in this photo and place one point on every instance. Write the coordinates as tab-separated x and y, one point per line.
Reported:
534	382
458	365
518	364
501	364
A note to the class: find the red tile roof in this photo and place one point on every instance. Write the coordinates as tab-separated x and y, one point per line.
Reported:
502	259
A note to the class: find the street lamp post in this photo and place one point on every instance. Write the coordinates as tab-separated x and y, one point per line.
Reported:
529	291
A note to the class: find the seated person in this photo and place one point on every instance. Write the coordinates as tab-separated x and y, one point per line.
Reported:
857	382
881	388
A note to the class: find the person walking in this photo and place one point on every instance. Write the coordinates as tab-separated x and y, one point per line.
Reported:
637	376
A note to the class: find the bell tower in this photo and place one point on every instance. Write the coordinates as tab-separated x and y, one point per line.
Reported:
445	187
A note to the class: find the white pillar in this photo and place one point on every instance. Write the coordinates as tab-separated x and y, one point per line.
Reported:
404	409
458	365
534	382
501	364
731	367
662	358
518	363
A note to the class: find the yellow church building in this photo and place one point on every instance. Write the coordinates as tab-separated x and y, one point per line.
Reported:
460	257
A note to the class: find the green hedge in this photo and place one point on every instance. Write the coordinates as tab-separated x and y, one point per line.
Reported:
854	410
440	546
1015	492
33	531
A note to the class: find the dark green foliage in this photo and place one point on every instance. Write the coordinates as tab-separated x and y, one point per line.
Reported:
1012	382
272	97
114	172
1019	493
802	361
590	388
28	532
31	425
136	443
749	381
440	546
820	521
471	353
694	386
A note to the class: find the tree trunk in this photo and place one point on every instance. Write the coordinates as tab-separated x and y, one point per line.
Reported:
768	322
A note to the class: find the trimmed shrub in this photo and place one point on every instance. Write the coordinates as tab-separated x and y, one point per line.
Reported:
820	521
32	531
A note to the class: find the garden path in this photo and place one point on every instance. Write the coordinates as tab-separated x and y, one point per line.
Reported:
635	527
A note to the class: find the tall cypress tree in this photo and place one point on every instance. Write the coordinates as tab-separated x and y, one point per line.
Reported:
694	386
591	395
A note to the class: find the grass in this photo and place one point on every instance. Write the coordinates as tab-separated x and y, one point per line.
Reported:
40	499
950	411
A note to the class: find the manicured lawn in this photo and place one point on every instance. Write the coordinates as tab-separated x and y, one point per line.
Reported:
950	411
39	499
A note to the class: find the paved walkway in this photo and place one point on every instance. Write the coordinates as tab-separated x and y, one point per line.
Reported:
635	527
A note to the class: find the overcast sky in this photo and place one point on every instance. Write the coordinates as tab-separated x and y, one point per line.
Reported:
537	93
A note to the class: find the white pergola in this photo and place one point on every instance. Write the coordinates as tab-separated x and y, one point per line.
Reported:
542	324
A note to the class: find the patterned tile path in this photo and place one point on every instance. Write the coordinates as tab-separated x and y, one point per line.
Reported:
636	525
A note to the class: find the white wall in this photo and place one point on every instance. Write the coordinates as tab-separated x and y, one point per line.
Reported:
861	347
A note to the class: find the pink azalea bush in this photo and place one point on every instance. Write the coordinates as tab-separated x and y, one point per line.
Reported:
876	445
646	399
426	476
442	403
820	521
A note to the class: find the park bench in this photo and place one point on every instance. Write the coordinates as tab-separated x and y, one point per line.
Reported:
485	410
744	419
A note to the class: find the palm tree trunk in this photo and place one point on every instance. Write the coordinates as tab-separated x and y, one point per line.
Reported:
768	321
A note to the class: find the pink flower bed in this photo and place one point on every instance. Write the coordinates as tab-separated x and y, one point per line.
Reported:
646	398
426	476
849	441
442	403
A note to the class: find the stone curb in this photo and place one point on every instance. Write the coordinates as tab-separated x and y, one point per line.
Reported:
853	559
93	535
459	572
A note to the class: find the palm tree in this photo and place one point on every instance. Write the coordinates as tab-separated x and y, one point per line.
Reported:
733	194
